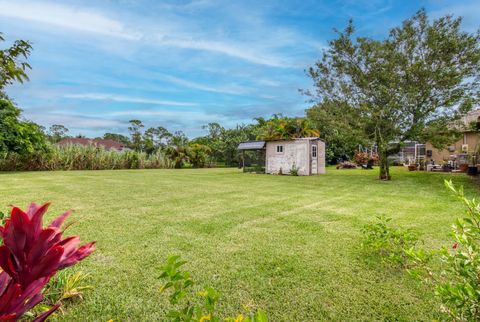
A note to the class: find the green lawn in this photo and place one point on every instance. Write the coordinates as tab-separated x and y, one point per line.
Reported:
289	245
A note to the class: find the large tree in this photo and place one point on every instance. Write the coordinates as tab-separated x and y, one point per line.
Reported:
423	73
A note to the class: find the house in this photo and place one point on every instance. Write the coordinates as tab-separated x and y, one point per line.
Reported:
305	156
106	144
465	147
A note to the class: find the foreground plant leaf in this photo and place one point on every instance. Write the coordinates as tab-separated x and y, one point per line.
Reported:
30	256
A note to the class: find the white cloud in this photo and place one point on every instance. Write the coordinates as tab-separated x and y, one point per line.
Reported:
187	115
76	18
72	120
226	89
245	51
126	99
167	30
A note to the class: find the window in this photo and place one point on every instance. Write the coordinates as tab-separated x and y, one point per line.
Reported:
314	151
279	148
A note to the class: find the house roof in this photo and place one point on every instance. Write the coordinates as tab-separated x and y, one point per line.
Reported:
251	145
107	144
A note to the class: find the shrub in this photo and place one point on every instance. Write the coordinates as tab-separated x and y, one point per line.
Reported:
457	280
294	170
30	256
389	243
362	158
187	307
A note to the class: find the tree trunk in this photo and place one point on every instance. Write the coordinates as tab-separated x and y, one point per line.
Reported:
383	164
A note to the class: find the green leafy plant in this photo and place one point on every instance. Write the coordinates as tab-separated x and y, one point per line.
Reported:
294	170
456	280
190	306
387	242
66	285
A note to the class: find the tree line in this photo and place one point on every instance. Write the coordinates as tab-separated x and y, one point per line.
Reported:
217	147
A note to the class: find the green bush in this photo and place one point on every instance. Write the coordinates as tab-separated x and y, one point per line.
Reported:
387	242
190	307
456	278
294	171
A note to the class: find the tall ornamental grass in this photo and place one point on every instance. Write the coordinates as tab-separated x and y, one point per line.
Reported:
78	157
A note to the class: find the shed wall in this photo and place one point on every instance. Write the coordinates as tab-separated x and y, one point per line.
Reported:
295	154
321	157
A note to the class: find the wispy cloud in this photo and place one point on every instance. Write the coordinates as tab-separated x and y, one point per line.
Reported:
190	115
226	89
126	99
165	31
242	51
76	18
77	120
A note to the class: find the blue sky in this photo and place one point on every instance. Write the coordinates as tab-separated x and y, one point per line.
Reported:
182	64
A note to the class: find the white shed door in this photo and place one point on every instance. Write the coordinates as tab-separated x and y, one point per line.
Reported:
314	158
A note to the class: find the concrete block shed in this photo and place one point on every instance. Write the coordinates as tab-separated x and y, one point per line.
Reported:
306	155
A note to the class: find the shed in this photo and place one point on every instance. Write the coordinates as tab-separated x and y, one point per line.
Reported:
305	156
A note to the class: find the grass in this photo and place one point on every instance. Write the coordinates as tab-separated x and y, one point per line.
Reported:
289	245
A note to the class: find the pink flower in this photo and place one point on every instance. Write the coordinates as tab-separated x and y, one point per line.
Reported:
455	246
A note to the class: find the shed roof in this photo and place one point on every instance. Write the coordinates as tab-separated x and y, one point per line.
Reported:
251	145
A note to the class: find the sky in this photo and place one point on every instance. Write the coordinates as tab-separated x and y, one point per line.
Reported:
181	63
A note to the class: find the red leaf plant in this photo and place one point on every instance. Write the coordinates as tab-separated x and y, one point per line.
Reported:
30	256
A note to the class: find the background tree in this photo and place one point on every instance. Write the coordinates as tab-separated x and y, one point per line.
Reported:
215	140
13	63
280	127
16	135
178	149
57	132
223	142
231	138
339	130
155	138
135	129
397	87
198	155
117	137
